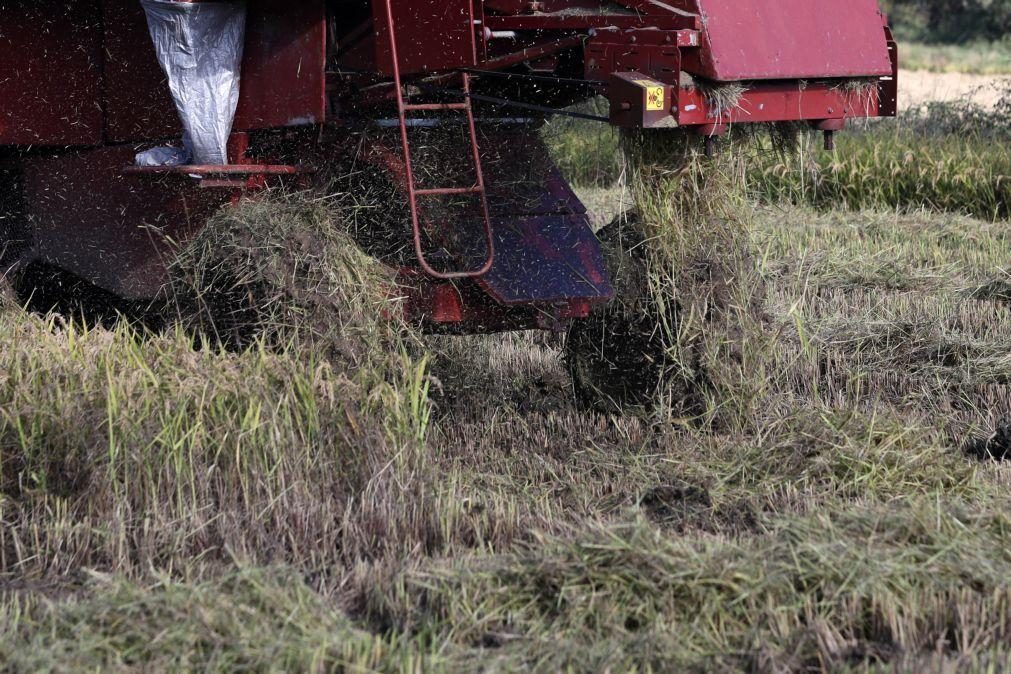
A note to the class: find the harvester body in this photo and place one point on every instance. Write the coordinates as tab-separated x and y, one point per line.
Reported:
82	92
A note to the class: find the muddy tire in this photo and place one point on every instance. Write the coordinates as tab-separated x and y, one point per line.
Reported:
619	358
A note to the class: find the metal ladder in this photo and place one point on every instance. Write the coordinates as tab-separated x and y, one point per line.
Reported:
478	188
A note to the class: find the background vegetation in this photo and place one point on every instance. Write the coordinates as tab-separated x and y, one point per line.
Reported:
966	36
954	21
952	157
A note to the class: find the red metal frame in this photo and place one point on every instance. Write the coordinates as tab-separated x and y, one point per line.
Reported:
84	73
690	107
238	178
112	69
790	39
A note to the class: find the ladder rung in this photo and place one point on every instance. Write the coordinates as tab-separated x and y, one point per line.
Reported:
436	106
476	189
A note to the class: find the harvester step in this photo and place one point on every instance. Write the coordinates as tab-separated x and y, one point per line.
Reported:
436	106
476	189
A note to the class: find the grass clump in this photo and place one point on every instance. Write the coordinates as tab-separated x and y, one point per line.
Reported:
286	269
250	620
821	454
283	389
130	452
694	212
273	508
689	293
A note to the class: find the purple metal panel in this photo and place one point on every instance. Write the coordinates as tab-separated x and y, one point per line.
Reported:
792	39
521	176
546	259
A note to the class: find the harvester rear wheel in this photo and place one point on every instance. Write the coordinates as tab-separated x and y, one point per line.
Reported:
619	358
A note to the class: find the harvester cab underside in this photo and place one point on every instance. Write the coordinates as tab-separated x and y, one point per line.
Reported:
490	236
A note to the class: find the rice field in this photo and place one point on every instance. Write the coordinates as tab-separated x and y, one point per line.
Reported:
374	499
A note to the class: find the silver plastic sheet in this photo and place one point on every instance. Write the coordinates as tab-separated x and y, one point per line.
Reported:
164	156
199	46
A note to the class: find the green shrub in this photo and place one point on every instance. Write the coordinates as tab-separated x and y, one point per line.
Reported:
950	20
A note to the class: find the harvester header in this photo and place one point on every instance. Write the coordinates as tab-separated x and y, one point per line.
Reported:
125	123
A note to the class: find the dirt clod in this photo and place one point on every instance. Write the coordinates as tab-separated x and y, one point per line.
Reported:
997	447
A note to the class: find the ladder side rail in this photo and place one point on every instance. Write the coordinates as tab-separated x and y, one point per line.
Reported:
479	188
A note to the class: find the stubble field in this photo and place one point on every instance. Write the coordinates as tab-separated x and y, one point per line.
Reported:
372	499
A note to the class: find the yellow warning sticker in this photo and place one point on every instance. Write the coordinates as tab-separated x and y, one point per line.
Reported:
655	96
655	99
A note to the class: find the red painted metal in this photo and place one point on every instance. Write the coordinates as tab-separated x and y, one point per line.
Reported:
640	102
214	170
533	53
463	307
441	35
447	304
779	101
107	228
239	178
654	53
565	21
761	102
791	39
283	71
137	102
284	65
888	87
50	73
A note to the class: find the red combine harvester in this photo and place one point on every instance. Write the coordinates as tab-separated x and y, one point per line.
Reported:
87	85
